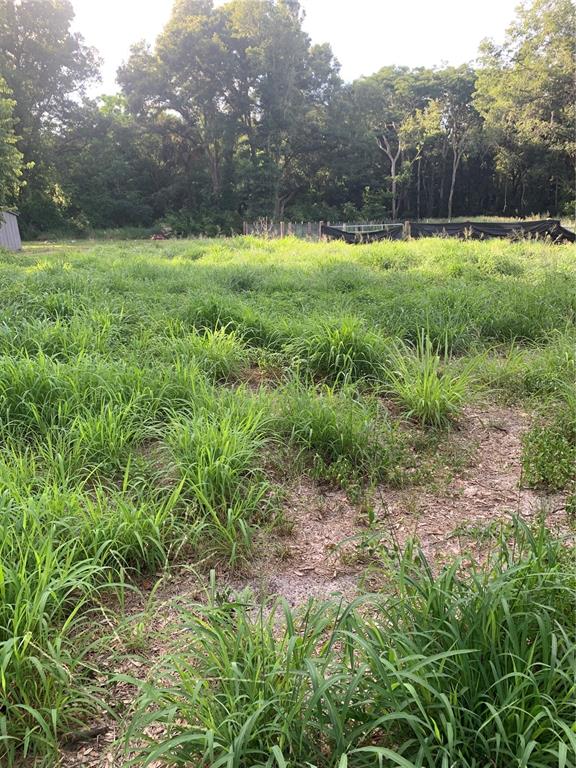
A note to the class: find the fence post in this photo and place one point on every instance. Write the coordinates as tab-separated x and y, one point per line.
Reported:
320	223
407	230
282	229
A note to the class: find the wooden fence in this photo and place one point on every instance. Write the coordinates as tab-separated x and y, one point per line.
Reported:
307	230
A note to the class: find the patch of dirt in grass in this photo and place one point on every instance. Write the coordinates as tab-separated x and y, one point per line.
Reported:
255	377
450	517
309	559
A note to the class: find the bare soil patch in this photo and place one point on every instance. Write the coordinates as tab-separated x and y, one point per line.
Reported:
485	491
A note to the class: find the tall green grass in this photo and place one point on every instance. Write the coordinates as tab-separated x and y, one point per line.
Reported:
59	548
219	457
343	436
132	434
425	384
472	666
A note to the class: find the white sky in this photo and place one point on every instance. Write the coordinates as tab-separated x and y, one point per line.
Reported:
364	34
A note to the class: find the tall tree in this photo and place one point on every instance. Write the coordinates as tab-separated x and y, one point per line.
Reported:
10	156
47	67
525	92
386	103
242	76
458	118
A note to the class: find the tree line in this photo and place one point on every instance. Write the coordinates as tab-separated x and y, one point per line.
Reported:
235	114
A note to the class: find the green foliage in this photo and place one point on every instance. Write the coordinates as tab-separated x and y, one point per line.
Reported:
273	132
549	448
524	89
463	667
45	66
339	351
59	548
219	353
10	156
549	458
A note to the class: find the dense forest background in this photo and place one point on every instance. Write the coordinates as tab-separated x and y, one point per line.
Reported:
234	114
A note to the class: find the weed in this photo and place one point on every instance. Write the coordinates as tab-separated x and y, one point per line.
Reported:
339	352
346	439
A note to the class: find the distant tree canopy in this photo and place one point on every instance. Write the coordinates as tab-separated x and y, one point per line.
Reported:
234	113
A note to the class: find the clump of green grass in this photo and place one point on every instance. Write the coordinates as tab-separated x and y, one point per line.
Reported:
225	313
338	351
60	546
548	457
549	448
427	387
345	438
470	666
248	690
533	371
44	588
220	354
219	457
492	647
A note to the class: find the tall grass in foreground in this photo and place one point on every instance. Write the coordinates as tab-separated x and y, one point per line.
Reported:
59	548
471	667
218	454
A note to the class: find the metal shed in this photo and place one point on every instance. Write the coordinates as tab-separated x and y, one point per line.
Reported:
9	232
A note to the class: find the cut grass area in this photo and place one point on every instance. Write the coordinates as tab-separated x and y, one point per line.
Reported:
131	435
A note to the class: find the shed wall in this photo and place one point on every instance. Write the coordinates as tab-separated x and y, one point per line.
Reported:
9	232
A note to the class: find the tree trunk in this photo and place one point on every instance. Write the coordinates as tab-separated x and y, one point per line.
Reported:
556	197
214	163
386	147
393	175
418	185
455	163
523	197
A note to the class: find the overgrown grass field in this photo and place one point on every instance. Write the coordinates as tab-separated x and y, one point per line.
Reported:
153	399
